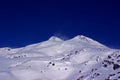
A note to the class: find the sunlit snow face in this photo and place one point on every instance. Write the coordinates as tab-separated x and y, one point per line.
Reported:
56	59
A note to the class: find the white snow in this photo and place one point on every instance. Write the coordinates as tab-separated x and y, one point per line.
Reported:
79	58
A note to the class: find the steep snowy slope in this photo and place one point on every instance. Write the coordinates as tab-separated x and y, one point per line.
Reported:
79	58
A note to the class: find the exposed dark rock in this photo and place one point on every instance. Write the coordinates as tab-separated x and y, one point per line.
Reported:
116	66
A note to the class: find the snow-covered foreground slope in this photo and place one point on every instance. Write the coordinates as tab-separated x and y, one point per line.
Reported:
79	58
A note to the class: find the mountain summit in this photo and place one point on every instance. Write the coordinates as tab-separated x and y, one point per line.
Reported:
79	58
54	38
86	39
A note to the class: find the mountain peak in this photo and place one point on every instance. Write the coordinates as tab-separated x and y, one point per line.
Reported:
81	37
54	38
86	39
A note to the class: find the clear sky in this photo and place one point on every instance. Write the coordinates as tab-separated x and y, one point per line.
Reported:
24	22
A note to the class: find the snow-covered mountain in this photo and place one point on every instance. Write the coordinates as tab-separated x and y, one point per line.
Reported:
79	58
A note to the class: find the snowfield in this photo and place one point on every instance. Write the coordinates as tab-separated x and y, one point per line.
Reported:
79	58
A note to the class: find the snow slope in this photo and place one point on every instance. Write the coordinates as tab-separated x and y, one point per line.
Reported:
79	58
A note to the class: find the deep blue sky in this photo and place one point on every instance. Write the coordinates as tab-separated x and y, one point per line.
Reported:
24	22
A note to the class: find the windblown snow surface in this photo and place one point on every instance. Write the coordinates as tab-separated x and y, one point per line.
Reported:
79	58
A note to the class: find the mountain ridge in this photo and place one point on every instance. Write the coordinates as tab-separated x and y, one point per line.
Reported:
79	58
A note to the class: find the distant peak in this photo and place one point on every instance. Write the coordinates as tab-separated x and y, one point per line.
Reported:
54	38
81	37
86	39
